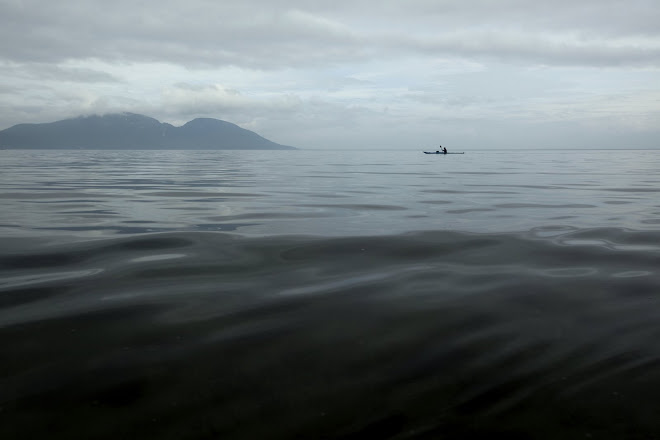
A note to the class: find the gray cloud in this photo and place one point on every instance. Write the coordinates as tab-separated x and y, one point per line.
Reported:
343	73
54	72
277	34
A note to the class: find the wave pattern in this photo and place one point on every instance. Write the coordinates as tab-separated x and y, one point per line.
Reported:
92	194
338	295
422	335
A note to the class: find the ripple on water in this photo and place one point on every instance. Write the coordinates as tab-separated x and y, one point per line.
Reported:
441	333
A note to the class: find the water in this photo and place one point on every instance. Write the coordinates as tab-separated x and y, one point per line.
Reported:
311	294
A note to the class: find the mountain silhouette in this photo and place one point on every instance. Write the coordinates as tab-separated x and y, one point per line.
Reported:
130	131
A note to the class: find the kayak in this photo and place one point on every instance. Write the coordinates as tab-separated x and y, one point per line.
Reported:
433	152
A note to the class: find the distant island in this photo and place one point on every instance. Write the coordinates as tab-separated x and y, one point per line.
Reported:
130	131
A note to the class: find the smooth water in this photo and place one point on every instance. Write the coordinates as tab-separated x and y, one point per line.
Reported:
312	294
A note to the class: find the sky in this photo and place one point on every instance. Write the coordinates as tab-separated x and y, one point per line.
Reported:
346	74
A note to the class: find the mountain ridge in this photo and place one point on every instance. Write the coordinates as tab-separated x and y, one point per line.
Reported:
132	131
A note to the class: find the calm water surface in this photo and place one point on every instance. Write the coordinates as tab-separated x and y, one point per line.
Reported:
313	294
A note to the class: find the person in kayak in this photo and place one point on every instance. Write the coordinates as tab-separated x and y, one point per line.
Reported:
444	150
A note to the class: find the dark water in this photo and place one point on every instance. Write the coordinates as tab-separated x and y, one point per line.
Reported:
346	295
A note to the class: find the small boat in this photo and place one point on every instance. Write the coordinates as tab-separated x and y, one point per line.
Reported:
440	152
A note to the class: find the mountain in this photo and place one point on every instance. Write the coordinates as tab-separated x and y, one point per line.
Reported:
130	131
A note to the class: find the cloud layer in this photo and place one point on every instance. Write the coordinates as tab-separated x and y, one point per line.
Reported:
314	73
280	34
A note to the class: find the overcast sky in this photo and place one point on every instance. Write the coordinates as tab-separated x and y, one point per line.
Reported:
346	74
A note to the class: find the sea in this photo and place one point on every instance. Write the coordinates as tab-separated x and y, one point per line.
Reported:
329	294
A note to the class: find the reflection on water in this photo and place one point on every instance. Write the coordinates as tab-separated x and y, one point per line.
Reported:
424	335
103	193
328	295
